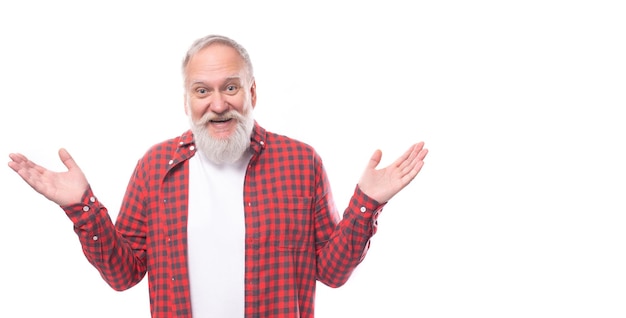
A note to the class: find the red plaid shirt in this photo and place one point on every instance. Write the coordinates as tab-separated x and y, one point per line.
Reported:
294	234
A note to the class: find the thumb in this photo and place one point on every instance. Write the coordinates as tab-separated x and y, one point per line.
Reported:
375	159
67	159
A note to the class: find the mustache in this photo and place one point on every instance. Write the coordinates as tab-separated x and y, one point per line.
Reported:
231	114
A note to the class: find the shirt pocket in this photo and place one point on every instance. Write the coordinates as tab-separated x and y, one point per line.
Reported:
286	222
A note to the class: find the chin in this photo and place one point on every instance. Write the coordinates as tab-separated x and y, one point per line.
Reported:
221	136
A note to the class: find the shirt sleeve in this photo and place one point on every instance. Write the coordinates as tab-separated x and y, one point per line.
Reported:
339	253
119	261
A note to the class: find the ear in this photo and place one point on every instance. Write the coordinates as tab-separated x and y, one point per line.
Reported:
185	104
253	93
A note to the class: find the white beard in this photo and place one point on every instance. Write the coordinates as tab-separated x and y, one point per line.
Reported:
225	150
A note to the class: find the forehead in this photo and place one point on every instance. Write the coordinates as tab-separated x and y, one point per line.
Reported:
214	62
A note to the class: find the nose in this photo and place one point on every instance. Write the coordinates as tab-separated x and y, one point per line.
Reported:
218	104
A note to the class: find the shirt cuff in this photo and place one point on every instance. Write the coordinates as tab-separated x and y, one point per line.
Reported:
81	213
367	206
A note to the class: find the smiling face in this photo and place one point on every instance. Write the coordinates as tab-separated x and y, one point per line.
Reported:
219	99
217	84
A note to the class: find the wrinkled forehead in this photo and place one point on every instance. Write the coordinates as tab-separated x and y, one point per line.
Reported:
216	61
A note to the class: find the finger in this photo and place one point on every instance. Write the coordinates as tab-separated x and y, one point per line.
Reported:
418	153
375	159
415	170
17	157
419	162
417	150
20	162
422	154
414	163
25	168
408	156
67	159
14	163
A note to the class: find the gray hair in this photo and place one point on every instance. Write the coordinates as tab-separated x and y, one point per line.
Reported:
206	41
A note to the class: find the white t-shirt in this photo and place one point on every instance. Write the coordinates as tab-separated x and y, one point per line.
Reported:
216	237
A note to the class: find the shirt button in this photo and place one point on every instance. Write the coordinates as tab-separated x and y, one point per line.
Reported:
92	199
171	161
95	237
86	208
363	209
192	148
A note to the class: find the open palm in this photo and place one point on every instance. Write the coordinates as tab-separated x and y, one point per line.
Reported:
382	184
63	188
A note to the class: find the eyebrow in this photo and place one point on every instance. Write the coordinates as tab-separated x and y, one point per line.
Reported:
227	79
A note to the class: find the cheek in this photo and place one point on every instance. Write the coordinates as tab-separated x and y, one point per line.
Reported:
242	104
194	108
194	117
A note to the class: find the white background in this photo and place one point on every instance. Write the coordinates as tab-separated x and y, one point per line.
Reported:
518	212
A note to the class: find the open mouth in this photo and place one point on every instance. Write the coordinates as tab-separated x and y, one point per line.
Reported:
221	120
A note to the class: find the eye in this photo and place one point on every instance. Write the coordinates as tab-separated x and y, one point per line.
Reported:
201	91
232	88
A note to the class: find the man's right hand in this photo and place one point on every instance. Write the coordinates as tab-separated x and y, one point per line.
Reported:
63	188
